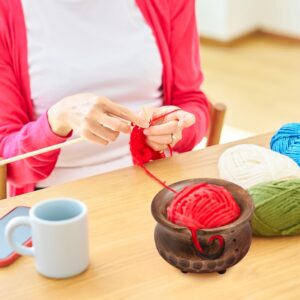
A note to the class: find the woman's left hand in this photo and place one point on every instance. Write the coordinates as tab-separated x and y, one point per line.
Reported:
168	130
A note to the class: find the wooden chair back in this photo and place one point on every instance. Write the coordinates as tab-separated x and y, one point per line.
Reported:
217	116
3	193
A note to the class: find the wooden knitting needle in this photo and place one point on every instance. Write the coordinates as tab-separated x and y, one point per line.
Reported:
51	148
147	113
40	151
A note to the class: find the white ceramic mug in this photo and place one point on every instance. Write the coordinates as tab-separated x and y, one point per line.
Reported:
59	237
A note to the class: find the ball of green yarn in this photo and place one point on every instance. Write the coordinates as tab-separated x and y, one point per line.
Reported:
277	208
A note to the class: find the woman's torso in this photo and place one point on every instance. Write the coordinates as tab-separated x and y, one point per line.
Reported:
96	46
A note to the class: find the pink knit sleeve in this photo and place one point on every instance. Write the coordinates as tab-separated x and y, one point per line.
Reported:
19	134
187	75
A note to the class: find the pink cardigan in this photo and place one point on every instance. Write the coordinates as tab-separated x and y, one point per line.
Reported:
173	24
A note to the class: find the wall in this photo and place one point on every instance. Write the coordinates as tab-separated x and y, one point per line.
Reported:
225	20
212	18
281	16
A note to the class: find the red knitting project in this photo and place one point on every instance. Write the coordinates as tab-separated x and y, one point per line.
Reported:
203	206
142	153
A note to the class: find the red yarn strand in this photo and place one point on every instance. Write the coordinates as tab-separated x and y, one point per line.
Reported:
162	116
171	150
158	180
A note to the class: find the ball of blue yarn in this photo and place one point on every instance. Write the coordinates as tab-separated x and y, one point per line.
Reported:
287	141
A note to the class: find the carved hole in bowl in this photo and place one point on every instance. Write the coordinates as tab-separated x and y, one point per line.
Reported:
173	260
230	260
197	265
184	263
211	250
211	265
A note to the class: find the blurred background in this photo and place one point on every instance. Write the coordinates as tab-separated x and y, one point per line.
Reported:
250	55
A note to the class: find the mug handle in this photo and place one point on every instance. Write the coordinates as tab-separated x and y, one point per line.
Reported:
9	230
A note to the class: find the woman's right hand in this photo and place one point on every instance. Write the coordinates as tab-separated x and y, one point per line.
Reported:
94	118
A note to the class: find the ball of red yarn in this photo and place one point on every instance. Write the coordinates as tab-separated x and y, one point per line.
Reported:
203	206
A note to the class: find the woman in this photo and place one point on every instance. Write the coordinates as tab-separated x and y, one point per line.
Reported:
85	68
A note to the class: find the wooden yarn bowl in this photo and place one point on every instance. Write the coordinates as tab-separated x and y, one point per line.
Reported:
174	243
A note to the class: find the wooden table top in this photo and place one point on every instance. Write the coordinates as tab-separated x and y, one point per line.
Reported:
124	261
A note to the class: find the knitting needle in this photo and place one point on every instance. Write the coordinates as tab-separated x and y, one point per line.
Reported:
147	114
51	148
40	151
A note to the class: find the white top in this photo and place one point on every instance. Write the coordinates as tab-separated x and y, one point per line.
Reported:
93	46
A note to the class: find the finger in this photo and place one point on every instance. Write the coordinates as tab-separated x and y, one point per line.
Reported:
101	131
157	147
124	113
93	138
187	121
161	139
166	128
177	136
147	113
160	111
185	118
114	124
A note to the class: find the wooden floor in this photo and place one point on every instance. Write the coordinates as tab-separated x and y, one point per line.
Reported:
258	78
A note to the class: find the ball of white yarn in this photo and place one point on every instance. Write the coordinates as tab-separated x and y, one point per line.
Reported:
248	165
